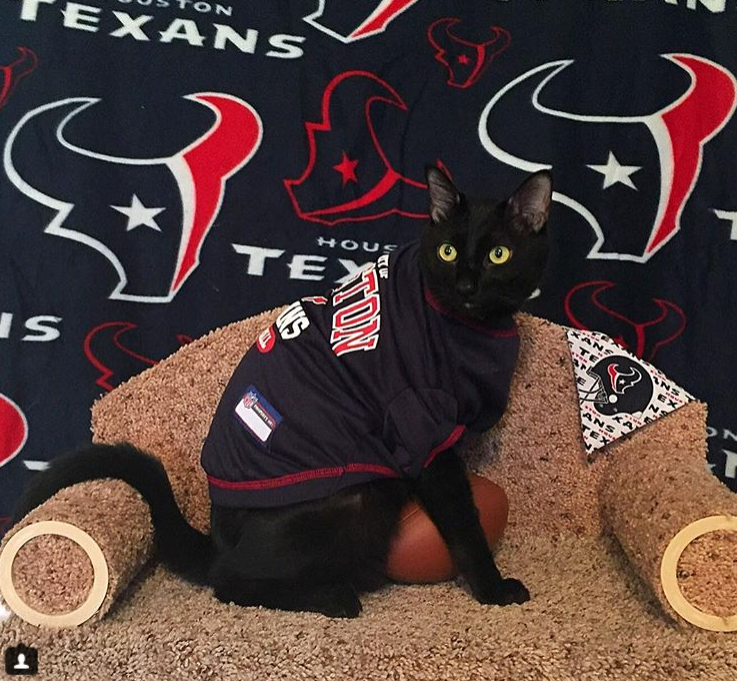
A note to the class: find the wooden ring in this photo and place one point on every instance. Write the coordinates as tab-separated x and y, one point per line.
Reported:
96	595
669	573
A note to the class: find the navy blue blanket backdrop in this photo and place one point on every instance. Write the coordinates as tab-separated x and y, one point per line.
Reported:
170	166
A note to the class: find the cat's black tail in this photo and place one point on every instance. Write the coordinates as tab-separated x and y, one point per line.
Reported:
182	549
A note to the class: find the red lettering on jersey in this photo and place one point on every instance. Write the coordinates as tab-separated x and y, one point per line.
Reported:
356	325
356	314
367	284
351	339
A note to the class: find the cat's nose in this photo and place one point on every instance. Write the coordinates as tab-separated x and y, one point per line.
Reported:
466	286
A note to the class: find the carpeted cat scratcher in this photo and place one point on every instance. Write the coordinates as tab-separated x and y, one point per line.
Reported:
630	559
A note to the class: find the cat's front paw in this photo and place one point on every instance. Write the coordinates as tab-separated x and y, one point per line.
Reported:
506	592
338	601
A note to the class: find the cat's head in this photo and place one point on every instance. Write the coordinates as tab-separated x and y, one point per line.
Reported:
482	257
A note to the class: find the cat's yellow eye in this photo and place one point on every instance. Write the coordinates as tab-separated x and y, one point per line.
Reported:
447	252
499	255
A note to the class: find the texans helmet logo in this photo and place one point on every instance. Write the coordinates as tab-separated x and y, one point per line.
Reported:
13	429
356	20
586	310
465	60
349	177
153	248
11	74
619	385
617	148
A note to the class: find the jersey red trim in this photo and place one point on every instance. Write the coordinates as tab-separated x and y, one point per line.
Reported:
295	478
449	441
434	303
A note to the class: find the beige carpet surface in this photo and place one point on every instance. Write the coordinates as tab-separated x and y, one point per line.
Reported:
590	619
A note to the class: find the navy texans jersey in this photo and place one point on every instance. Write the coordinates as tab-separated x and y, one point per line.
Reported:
371	381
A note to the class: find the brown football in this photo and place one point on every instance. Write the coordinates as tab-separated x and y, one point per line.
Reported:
418	553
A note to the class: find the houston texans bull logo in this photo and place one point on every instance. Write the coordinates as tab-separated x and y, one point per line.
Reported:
356	20
105	210
586	310
465	60
349	176
12	73
617	148
13	429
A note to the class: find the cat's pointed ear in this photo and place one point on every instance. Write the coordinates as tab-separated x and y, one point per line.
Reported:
529	206
444	196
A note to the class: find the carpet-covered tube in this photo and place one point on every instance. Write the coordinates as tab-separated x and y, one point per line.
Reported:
166	411
68	559
678	525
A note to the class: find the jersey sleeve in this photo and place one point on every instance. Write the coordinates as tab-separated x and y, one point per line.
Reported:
417	423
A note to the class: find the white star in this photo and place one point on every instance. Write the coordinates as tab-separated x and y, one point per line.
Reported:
614	172
139	215
730	215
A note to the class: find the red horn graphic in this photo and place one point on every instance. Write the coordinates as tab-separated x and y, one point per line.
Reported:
13	429
350	21
690	122
211	160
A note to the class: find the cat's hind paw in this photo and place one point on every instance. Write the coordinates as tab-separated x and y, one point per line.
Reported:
506	592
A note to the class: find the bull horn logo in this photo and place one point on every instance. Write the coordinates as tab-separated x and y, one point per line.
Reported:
586	310
622	380
466	61
336	20
679	132
199	172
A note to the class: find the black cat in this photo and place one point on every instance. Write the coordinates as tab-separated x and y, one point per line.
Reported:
345	408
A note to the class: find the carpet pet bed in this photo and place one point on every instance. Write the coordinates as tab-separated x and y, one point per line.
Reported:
630	553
